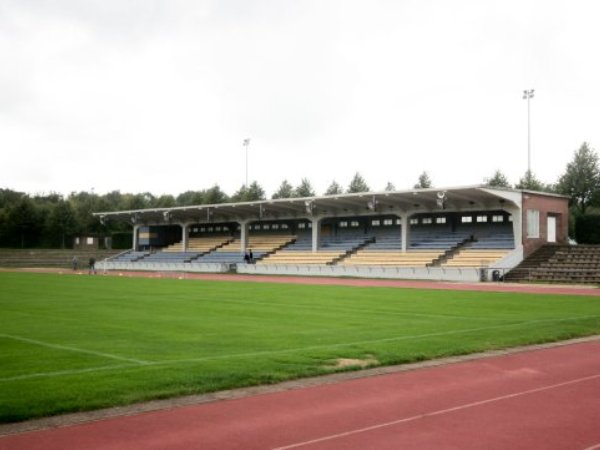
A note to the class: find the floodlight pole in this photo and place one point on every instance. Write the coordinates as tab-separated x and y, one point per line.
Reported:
528	95
246	144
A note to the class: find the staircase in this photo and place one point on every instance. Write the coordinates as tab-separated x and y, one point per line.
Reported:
448	254
560	264
523	271
352	251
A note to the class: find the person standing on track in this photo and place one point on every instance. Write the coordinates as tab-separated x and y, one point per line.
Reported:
92	266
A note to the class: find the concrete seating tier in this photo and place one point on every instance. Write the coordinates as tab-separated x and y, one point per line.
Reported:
130	256
260	244
301	257
560	264
224	257
442	240
200	244
470	257
564	275
388	258
495	241
170	257
51	257
331	248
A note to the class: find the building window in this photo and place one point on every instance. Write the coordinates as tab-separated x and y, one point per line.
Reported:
414	221
510	218
398	221
309	225
266	226
284	226
354	224
202	230
388	222
210	229
533	223
90	241
440	220
76	241
225	228
427	221
466	219
481	219
301	226
497	218
275	226
376	223
217	228
343	224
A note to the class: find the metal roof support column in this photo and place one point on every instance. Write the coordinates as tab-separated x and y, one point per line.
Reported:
185	231
243	236
316	233
405	230
517	223
135	237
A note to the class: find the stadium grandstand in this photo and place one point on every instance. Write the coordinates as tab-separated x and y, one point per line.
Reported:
463	233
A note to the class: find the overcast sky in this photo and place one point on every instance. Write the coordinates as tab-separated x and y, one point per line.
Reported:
158	96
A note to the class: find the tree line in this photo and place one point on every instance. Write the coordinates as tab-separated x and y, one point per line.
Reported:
52	220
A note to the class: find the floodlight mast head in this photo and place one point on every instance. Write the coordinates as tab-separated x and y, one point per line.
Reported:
527	94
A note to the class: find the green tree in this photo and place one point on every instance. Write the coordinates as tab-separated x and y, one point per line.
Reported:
61	222
424	182
581	180
358	184
334	189
498	180
286	190
304	189
165	201
530	182
84	204
113	201
252	193
24	223
390	186
215	195
188	198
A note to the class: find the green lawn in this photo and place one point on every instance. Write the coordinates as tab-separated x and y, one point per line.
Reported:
70	343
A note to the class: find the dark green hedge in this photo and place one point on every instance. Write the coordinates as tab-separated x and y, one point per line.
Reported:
122	241
587	229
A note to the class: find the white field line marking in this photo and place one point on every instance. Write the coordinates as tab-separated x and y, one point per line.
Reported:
313	347
593	447
385	312
72	349
372	341
64	372
439	412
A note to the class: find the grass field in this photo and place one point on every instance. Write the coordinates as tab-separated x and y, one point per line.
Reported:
70	343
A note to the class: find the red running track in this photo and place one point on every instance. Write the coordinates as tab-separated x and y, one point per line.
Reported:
542	399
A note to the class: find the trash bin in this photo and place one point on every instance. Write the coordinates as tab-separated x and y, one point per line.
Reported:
496	275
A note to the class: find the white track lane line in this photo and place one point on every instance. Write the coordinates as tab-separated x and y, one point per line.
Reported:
440	412
593	447
73	349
